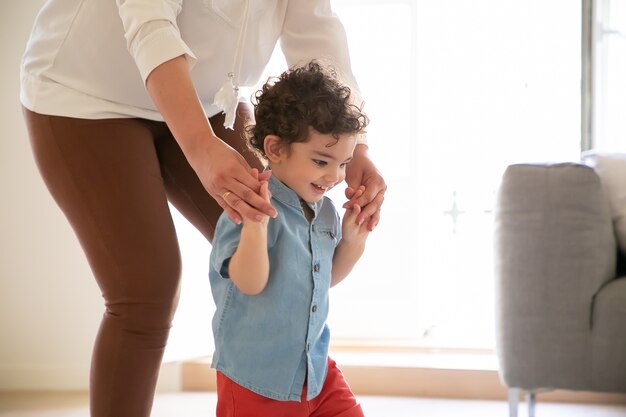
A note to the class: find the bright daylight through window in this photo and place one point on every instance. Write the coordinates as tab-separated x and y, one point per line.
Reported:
610	83
456	90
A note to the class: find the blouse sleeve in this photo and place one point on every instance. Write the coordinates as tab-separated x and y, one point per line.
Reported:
312	30
152	34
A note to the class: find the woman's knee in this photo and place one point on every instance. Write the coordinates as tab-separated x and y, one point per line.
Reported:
147	293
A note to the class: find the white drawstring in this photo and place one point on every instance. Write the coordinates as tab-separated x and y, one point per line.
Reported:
227	98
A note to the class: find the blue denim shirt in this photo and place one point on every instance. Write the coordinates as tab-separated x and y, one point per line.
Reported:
271	342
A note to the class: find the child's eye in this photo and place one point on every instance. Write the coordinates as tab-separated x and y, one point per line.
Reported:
319	162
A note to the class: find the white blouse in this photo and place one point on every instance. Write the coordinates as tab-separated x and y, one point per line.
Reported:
90	58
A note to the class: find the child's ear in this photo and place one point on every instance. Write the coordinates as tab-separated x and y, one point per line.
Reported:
273	147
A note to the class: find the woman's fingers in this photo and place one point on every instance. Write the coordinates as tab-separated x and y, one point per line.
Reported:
236	186
370	199
245	203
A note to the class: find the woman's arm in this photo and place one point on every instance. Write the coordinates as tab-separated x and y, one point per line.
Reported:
313	31
219	167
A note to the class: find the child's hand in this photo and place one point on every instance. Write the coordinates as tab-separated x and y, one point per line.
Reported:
353	195
350	230
264	193
261	176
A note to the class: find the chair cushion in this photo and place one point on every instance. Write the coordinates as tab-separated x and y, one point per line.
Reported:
611	168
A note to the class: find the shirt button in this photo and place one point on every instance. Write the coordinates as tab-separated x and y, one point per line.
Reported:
316	267
314	308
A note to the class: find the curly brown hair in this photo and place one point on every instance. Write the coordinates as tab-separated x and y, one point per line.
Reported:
302	98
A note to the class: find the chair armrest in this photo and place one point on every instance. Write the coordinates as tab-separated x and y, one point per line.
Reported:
554	249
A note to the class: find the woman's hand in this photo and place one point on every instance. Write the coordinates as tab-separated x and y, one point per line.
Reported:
233	184
366	188
223	172
264	193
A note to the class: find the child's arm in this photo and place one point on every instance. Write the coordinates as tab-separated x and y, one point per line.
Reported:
249	266
350	247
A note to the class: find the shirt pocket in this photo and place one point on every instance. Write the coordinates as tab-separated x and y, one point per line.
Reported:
329	234
325	242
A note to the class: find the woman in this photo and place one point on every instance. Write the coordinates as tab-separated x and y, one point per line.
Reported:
120	103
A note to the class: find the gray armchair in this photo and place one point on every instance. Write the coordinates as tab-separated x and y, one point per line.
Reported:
560	283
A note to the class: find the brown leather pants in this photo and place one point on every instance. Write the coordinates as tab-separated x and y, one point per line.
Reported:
113	179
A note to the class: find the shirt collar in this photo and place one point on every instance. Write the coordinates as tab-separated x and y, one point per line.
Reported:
287	196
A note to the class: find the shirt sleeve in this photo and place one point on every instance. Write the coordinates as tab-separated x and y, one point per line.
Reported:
225	242
152	34
312	30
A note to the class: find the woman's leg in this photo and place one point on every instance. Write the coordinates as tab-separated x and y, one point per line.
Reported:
108	176
183	187
105	176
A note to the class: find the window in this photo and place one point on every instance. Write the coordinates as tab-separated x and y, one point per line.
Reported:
456	91
609	91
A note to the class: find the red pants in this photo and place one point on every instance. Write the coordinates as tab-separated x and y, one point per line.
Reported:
335	400
113	179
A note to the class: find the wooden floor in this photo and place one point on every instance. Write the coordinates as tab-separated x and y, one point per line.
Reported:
202	404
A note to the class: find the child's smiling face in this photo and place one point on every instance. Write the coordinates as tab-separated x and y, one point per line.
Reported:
313	167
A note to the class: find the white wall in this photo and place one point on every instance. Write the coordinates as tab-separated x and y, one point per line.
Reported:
50	306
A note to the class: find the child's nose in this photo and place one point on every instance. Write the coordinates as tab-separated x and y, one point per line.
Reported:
335	175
